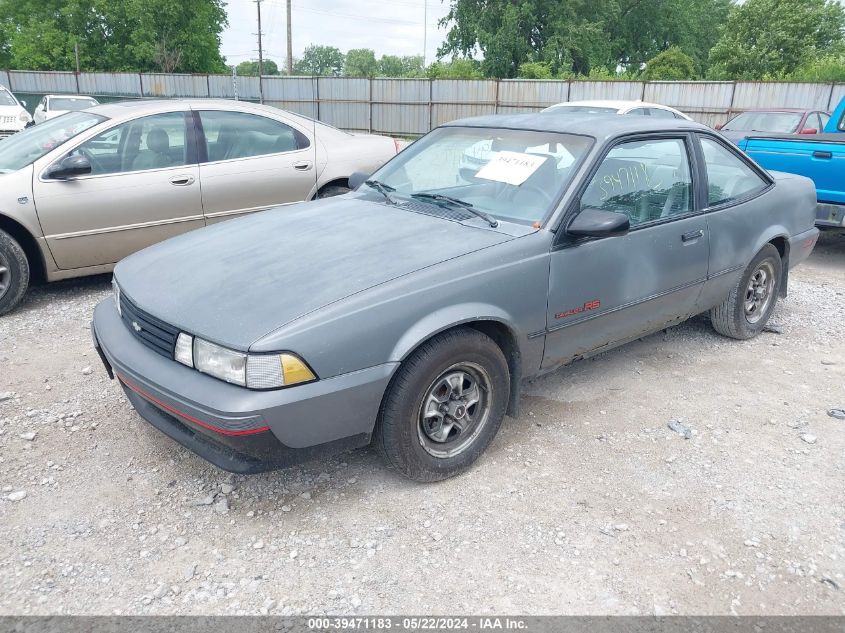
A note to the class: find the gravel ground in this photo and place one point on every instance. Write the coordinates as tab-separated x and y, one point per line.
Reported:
587	504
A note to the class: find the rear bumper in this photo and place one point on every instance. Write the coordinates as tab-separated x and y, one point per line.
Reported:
234	428
830	215
801	245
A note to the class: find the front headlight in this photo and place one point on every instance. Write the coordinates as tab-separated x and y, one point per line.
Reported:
254	371
25	117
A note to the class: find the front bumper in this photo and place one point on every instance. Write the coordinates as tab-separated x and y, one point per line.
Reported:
234	428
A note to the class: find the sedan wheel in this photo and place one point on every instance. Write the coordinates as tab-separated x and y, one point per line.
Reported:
14	273
747	308
444	405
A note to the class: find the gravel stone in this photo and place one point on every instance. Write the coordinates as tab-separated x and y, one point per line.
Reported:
18	495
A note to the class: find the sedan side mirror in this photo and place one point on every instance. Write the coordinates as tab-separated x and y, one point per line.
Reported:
357	179
598	223
809	130
69	167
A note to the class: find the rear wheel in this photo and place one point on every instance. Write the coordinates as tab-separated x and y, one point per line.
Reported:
14	273
444	406
747	308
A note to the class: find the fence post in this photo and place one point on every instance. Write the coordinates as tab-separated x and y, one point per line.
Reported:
430	108
208	85
731	106
370	130
140	85
830	98
317	97
642	95
496	102
9	75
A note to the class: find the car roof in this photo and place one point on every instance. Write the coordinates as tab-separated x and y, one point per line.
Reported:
138	107
69	95
599	126
796	110
611	103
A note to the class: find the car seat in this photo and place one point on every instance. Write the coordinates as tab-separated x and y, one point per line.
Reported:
157	154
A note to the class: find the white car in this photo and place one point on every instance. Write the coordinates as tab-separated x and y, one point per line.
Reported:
631	108
13	115
52	106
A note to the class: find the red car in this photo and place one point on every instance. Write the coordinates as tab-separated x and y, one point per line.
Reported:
774	121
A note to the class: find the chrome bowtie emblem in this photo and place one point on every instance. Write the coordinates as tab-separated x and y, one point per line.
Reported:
136	327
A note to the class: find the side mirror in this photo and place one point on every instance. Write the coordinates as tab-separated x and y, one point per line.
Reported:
809	130
357	179
69	167
597	223
719	126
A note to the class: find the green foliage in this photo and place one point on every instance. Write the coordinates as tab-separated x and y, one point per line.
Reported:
575	36
360	62
408	66
132	35
830	68
455	69
534	70
670	65
250	68
774	38
320	60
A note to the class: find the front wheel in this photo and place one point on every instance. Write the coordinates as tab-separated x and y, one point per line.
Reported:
14	273
444	406
747	308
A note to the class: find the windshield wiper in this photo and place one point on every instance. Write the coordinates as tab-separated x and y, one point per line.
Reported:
438	197
382	188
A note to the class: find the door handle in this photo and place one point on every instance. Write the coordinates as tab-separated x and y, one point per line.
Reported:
303	165
182	181
825	155
692	235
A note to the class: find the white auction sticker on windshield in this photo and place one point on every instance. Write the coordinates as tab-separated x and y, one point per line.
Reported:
513	168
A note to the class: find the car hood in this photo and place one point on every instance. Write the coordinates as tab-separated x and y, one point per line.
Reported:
236	281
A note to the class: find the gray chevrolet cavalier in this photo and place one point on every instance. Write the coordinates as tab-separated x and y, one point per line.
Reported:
407	312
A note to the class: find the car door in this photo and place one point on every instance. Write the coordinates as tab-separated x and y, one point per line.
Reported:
736	209
609	290
143	188
251	163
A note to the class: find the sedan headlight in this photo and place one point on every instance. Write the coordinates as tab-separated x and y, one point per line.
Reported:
25	117
116	295
254	371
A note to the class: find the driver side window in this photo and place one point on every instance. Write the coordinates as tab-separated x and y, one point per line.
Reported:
646	180
153	142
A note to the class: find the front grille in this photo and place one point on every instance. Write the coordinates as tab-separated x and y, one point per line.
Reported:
7	119
152	332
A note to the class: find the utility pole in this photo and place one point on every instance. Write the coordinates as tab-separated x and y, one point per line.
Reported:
260	56
290	44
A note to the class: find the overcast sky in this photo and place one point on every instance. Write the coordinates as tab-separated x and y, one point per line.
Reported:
393	27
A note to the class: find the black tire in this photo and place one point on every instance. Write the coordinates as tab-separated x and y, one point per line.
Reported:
404	435
332	191
732	317
14	273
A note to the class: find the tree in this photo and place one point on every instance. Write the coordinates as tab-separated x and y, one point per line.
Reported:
772	38
534	70
320	61
830	68
360	62
250	68
670	65
407	66
575	36
131	35
455	69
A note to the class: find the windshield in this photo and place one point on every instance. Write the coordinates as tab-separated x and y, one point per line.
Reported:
582	108
513	175
783	122
6	98
71	104
24	148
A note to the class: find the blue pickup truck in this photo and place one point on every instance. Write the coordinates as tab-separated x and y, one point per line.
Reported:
820	157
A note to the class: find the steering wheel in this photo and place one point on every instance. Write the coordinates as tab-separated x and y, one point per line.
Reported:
91	158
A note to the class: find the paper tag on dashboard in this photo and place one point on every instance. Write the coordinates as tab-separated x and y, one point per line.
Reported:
513	168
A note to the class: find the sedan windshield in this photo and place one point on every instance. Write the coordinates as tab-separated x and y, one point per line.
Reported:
6	98
71	104
512	175
24	148
778	122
